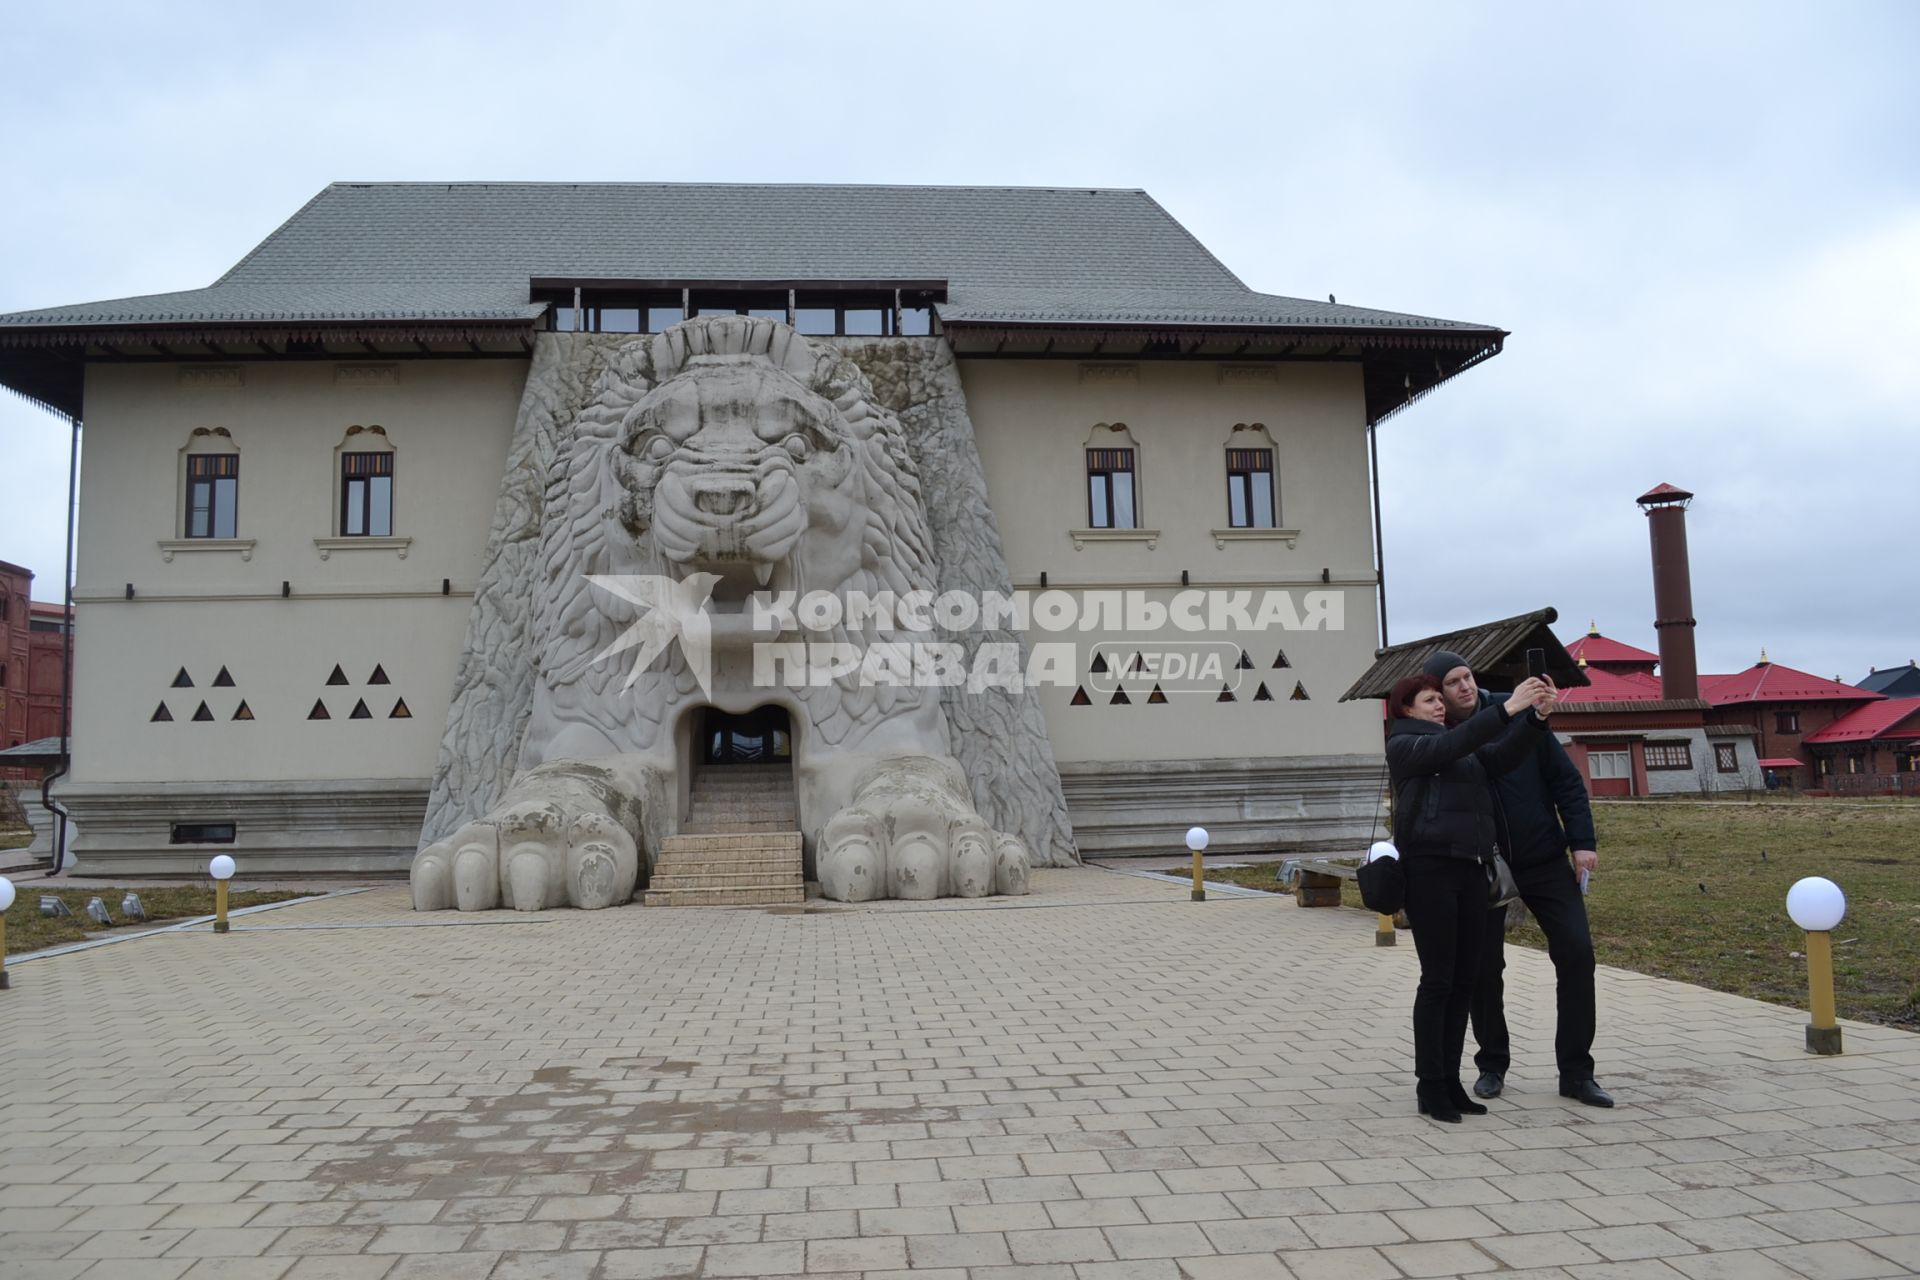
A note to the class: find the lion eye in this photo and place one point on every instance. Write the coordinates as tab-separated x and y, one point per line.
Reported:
658	448
797	447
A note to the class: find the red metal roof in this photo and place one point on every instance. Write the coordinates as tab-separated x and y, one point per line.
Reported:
1875	720
1612	686
1664	493
1772	682
1782	762
1597	648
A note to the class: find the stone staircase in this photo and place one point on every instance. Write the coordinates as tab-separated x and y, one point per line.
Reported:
740	845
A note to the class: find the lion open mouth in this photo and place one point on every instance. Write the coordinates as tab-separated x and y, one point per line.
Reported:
738	522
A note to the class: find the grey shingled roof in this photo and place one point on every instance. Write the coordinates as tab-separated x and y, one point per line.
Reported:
465	251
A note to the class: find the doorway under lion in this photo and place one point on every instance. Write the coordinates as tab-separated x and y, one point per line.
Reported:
742	776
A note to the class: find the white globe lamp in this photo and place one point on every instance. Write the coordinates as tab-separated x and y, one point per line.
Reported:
1816	904
221	869
1197	839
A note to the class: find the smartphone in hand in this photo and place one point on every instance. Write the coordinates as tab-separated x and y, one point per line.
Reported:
1537	663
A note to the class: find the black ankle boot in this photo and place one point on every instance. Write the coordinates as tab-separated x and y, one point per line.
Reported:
1434	1102
1457	1095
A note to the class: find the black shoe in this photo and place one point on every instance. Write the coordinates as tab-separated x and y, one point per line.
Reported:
1461	1102
1586	1091
1433	1102
1489	1084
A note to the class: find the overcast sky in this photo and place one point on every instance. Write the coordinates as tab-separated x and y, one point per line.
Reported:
1701	224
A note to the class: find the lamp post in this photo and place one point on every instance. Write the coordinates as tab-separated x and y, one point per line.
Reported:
1197	841
6	904
221	869
1817	905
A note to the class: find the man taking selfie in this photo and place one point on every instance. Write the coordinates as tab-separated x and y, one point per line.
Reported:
1547	817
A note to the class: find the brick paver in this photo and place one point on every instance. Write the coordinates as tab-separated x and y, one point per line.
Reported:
1102	1081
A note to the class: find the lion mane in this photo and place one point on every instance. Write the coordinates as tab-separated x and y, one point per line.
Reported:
598	524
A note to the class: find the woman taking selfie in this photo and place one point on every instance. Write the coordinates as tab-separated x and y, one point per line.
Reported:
1446	829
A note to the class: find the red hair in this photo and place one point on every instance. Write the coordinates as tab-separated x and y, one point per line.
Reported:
1405	690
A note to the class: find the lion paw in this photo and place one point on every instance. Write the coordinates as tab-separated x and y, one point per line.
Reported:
530	854
910	831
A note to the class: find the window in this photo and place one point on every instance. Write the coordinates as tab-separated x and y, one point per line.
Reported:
1786	721
1669	755
202	833
1110	489
1250	488
366	495
1726	757
213	492
1609	764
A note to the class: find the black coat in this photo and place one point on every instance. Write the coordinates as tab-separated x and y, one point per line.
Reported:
1545	801
1443	797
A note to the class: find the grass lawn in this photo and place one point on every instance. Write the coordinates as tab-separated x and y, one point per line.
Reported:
28	930
15	838
1649	913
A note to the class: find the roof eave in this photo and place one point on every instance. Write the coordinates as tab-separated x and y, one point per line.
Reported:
1401	363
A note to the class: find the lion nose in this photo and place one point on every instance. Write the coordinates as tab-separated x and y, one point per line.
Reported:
723	496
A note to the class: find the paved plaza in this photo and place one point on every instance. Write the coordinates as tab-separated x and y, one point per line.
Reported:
1102	1081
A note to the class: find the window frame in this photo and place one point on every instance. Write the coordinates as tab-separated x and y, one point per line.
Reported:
218	466
1244	465
1726	757
382	463
1105	463
1667	761
1786	722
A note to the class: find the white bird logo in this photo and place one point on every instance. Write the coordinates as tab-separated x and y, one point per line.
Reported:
671	608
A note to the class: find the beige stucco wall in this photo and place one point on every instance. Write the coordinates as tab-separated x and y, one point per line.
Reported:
449	422
1033	420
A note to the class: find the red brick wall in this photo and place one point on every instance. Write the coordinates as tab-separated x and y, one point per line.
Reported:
15	655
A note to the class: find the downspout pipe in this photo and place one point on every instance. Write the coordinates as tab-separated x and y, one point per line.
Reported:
60	768
1379	543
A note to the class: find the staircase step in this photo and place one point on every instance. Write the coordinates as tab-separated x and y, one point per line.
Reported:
681	865
767	842
708	879
756	897
723	826
742	795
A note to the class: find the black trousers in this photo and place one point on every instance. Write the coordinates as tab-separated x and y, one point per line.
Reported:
1447	907
1552	893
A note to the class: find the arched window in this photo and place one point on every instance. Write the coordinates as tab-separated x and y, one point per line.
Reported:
210	496
1113	478
365	479
1253	499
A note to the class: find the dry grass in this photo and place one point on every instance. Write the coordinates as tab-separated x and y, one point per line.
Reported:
28	930
1697	891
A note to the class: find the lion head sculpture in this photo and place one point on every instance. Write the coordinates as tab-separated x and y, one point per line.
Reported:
732	447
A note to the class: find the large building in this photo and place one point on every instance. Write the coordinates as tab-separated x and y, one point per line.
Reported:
340	507
32	660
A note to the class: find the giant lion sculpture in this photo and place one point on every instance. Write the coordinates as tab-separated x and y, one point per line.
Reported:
725	456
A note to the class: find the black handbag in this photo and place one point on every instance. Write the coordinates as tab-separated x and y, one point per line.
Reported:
1383	886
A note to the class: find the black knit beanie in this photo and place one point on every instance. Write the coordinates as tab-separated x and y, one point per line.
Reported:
1442	661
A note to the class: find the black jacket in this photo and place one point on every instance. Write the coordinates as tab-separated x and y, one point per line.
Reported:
1443	798
1545	801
